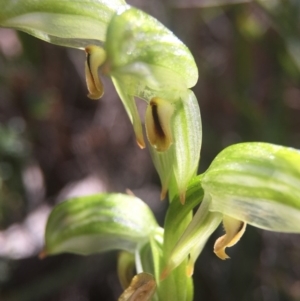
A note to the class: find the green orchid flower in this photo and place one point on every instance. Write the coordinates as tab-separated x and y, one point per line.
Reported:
248	183
103	222
143	58
146	60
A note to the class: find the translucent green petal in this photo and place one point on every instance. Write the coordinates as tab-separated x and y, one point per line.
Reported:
99	223
139	45
163	162
64	22
131	109
187	130
258	183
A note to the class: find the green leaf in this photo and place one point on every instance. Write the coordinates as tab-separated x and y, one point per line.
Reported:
99	223
64	22
139	45
258	183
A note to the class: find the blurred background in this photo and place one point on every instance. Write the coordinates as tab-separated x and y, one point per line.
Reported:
55	143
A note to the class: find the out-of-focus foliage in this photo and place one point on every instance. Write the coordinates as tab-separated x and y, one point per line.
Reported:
13	154
249	90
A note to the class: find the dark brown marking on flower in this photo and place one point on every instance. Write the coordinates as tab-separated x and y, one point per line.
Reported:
157	124
240	227
88	61
88	56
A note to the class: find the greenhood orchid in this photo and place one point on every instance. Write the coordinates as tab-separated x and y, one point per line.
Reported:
143	58
247	183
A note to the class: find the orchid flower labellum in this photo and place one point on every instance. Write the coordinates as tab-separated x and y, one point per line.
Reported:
234	230
158	123
95	57
141	288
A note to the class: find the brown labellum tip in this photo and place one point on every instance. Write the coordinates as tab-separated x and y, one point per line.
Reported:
234	231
